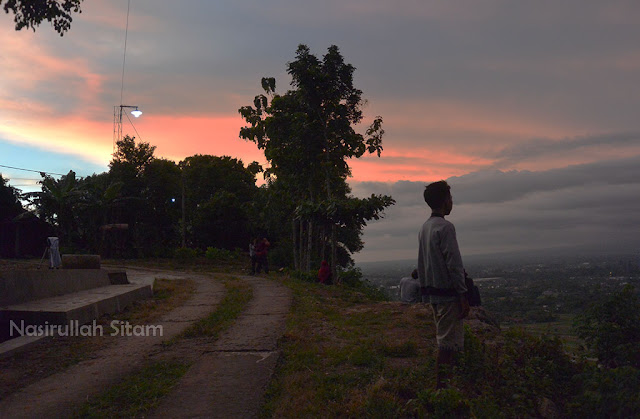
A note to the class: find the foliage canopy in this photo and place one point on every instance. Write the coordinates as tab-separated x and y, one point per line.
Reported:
307	135
30	13
611	329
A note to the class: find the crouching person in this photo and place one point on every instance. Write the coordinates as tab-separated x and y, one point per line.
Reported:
410	288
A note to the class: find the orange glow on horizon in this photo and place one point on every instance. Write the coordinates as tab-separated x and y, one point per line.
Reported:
413	165
182	136
177	137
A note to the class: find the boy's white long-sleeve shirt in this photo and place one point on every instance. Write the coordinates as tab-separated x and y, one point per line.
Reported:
439	259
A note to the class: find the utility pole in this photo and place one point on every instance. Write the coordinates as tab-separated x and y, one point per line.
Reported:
184	221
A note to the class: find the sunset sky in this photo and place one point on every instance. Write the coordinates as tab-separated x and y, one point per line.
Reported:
531	110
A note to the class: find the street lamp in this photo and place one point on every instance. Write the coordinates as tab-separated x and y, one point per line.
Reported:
117	121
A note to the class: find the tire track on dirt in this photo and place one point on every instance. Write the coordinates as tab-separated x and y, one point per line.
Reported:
230	377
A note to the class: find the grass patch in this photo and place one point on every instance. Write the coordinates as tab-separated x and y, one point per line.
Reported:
167	295
346	354
238	295
137	393
201	264
401	349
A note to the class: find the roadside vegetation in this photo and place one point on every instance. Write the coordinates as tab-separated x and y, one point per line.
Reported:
347	355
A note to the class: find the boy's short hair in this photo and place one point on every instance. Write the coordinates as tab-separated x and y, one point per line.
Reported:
436	193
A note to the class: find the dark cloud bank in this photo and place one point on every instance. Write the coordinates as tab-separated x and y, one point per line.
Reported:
582	208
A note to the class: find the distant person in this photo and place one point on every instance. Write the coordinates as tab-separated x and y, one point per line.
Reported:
410	288
262	250
53	244
252	255
324	273
441	276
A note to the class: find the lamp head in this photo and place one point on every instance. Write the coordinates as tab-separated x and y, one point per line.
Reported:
136	112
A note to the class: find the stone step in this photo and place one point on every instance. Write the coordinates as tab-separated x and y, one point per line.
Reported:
81	306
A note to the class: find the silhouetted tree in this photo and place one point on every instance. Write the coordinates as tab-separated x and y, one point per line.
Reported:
10	205
129	163
219	193
30	13
162	188
57	204
307	135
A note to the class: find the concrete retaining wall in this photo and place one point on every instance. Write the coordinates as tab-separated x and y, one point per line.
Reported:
19	286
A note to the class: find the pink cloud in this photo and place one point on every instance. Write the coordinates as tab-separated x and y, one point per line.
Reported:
414	165
33	69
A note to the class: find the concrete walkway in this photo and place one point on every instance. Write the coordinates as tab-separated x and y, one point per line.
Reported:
230	378
59	394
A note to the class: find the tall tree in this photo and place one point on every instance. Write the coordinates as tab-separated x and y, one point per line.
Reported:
134	155
10	205
219	192
57	204
307	135
128	166
129	163
162	188
30	13
96	208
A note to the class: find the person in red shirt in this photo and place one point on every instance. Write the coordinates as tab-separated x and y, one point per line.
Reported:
262	248
324	273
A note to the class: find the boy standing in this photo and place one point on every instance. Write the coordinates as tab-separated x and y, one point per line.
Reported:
441	276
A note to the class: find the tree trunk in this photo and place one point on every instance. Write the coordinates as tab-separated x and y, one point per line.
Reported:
309	244
184	221
334	270
301	244
322	242
296	263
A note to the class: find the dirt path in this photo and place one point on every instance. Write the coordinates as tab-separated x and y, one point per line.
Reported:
229	379
58	394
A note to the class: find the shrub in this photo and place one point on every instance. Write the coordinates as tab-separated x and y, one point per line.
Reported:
185	253
611	329
535	367
213	253
516	374
305	276
607	393
445	403
351	277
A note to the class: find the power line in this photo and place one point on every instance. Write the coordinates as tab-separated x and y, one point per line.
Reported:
31	170
124	56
